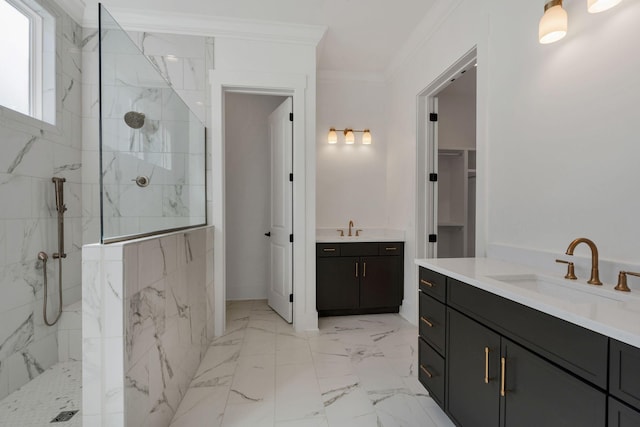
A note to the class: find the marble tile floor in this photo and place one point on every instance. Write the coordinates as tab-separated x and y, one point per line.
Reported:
355	371
35	404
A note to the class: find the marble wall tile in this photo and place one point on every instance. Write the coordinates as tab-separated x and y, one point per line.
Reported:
171	44
149	361
183	60
91	379
33	152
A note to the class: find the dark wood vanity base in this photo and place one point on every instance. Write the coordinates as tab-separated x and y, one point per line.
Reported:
359	278
490	361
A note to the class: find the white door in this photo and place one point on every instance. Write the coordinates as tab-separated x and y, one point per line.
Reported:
280	245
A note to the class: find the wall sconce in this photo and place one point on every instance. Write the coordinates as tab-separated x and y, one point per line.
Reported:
349	136
554	23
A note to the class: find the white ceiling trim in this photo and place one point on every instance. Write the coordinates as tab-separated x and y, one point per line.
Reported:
212	26
74	8
423	32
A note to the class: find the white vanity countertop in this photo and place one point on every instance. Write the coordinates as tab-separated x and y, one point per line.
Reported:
612	313
331	235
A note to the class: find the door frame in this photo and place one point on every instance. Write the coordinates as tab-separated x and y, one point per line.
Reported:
426	160
305	316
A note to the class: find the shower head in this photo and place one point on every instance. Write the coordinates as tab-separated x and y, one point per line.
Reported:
134	120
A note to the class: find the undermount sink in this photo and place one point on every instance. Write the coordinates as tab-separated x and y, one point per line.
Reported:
571	291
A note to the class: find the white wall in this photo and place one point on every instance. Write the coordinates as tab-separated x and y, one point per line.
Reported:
557	128
350	182
564	129
248	193
463	29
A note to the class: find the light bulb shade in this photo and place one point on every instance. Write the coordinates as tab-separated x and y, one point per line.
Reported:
366	137
597	6
553	24
349	137
332	138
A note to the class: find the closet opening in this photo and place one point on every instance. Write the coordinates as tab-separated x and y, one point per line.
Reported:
446	208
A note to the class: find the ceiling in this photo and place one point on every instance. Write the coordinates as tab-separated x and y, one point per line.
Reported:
363	36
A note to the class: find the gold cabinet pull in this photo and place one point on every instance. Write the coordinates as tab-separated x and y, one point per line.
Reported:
425	320
427	373
503	364
329	250
424	282
391	249
364	269
486	365
357	269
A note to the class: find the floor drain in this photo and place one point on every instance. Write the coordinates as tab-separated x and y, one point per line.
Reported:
64	416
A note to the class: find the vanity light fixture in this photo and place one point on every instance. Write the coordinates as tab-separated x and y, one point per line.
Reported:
349	136
366	137
554	23
333	136
597	6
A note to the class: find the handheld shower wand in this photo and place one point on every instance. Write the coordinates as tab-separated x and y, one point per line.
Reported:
42	256
58	182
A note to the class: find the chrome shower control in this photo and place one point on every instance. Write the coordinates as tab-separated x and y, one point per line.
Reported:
142	181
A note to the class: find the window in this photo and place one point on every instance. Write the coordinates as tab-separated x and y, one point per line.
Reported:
27	42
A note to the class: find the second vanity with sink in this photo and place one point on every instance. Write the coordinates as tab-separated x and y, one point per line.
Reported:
502	345
359	273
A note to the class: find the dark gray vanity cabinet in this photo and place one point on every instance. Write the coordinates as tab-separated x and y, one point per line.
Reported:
337	286
624	385
493	381
621	415
473	373
359	278
508	365
432	330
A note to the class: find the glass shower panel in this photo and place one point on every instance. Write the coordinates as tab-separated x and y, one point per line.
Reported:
152	145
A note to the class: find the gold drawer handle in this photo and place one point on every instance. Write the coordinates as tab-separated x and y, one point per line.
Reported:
357	268
424	282
486	365
364	269
427	373
329	250
503	363
425	320
391	249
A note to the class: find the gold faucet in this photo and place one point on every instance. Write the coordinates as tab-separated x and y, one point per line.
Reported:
350	227
594	280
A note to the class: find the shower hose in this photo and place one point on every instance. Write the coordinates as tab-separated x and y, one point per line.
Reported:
42	256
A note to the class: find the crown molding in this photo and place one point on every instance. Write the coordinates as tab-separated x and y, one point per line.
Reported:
423	32
210	26
74	8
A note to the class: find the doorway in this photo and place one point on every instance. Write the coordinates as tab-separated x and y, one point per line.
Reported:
455	144
258	199
447	162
